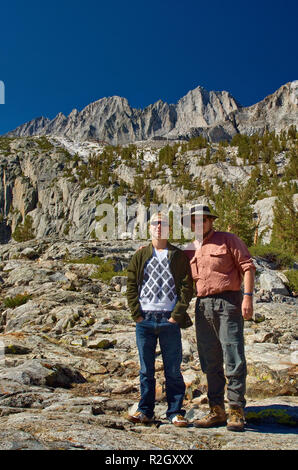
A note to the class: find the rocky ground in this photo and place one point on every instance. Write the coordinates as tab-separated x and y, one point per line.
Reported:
69	363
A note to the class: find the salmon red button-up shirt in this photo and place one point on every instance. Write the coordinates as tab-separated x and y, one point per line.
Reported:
218	264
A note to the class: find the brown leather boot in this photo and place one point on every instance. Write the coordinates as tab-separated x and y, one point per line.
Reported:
236	419
216	417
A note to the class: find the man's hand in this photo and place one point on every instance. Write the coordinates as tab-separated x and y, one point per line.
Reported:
139	319
247	307
171	320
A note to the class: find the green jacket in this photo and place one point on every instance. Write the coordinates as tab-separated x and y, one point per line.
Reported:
180	269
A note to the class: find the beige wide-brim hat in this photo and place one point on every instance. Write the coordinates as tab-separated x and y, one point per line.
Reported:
198	209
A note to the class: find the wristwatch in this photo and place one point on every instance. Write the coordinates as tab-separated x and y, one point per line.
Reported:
248	293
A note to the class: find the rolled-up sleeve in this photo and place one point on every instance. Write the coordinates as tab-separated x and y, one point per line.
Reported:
242	256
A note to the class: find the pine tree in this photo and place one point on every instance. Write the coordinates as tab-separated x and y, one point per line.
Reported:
285	222
220	154
208	156
104	178
292	133
235	211
147	197
139	186
208	190
291	170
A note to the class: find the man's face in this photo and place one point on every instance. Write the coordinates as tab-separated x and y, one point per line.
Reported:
159	229
201	224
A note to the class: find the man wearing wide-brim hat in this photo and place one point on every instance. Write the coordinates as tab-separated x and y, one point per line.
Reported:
200	209
220	262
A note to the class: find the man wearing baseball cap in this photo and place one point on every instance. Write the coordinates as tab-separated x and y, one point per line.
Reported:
219	262
159	289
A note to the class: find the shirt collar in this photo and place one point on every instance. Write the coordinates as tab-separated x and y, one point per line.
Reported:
210	234
171	249
197	244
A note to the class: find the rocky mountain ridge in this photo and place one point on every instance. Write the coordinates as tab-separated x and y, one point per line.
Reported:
215	115
54	184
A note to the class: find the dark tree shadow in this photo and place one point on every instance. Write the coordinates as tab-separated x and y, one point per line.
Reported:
279	419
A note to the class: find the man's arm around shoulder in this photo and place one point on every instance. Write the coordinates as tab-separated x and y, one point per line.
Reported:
239	251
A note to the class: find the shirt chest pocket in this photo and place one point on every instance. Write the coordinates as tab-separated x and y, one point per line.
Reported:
220	259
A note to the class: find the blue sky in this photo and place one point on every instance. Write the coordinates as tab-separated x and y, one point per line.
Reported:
60	55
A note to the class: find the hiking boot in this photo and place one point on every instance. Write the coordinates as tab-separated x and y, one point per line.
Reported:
236	419
216	417
139	417
179	421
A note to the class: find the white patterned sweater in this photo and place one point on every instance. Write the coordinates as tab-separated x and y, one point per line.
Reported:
158	288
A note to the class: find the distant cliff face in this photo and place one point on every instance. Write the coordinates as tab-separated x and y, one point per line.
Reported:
276	112
56	184
215	115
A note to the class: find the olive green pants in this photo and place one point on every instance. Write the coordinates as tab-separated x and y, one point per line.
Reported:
220	340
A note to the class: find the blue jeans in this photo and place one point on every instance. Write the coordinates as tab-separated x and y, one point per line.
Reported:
156	326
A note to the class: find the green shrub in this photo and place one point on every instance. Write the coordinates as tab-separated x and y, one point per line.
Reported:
5	143
129	152
44	143
24	232
20	299
167	155
86	260
195	143
282	258
292	275
105	270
